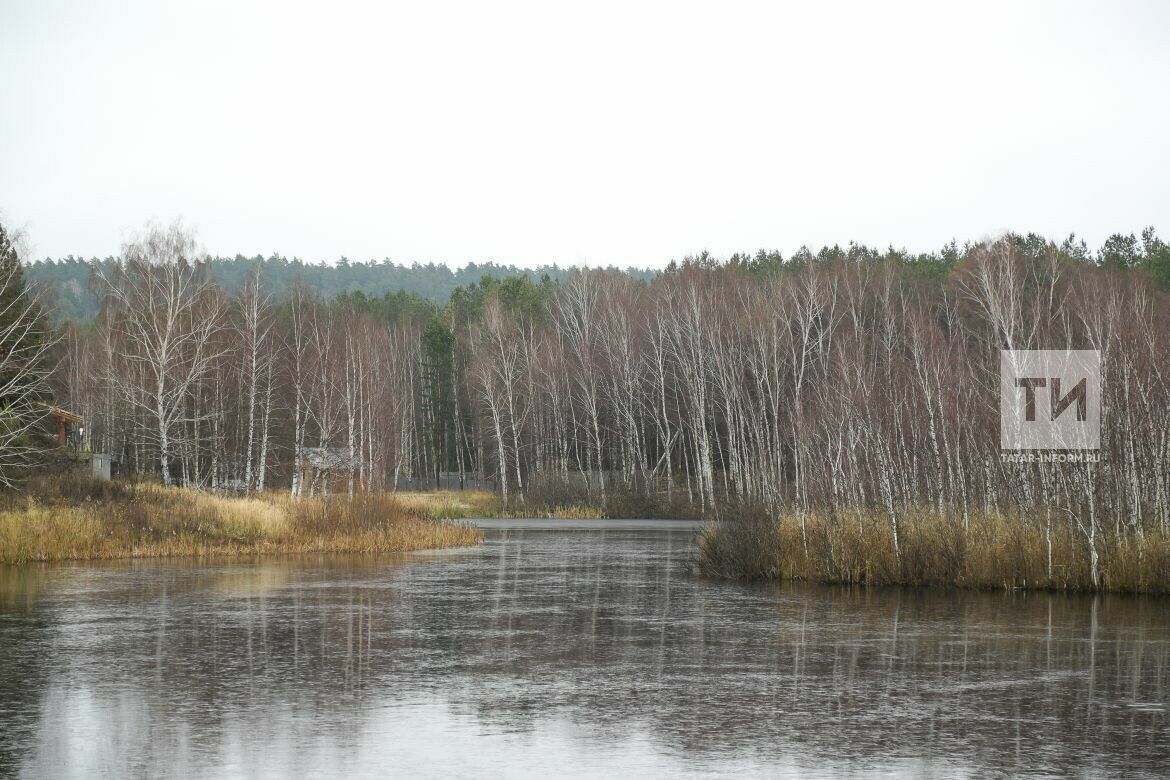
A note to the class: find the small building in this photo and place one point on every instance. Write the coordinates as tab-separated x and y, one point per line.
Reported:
319	464
67	422
101	466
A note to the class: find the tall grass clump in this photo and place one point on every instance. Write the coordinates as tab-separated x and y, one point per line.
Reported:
462	504
986	550
450	504
75	518
551	497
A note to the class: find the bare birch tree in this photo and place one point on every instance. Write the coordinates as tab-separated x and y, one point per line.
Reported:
165	312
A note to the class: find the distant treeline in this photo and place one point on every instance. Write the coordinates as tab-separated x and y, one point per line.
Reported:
66	285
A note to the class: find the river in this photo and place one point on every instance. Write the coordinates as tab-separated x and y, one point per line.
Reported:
564	649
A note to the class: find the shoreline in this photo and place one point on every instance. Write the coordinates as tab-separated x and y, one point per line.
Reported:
72	519
993	552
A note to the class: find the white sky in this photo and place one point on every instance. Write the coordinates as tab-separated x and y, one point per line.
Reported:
602	133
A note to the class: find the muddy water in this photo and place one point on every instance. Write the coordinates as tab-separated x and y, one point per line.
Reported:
564	649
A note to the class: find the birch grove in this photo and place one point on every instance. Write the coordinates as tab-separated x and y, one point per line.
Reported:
854	382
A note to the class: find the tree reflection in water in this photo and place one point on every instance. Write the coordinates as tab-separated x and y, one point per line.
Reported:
568	652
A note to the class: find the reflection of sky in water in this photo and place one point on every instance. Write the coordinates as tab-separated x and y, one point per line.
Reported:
567	652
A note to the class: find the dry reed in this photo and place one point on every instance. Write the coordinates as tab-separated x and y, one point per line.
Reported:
992	551
67	518
460	504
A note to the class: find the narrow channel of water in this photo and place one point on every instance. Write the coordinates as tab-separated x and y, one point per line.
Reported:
572	649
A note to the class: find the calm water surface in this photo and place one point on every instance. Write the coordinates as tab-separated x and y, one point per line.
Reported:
591	650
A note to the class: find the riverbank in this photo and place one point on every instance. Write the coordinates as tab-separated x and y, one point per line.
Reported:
991	552
468	504
66	518
550	501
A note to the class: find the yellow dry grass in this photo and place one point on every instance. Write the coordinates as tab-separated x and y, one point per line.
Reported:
572	512
993	551
76	521
449	504
454	504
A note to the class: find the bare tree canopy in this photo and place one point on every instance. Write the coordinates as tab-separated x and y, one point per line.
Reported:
25	342
163	315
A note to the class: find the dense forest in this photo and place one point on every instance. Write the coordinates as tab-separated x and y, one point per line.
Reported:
849	380
67	286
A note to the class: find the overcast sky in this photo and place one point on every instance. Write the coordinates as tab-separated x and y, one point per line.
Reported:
600	133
